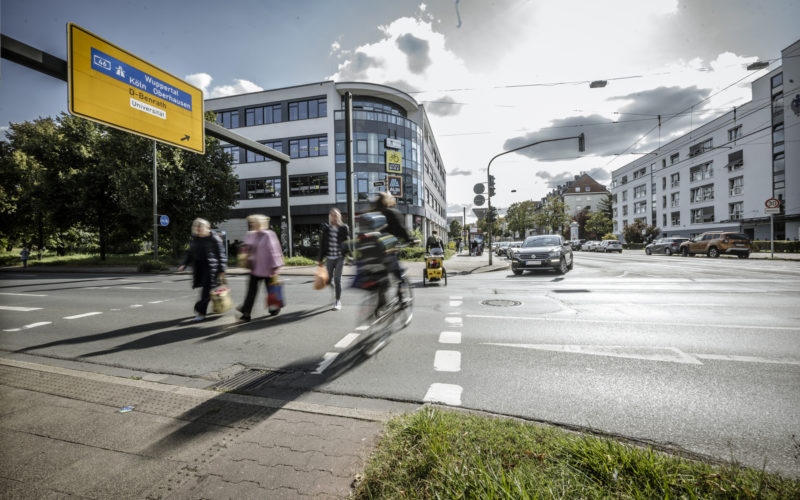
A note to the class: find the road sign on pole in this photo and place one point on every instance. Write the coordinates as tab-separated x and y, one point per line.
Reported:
478	188
479	200
111	86
772	203
164	220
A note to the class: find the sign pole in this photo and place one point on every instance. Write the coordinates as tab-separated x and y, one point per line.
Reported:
348	153
155	204
771	237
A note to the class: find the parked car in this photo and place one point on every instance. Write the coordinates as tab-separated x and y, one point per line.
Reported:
549	251
609	246
590	245
714	243
502	246
576	244
667	246
511	248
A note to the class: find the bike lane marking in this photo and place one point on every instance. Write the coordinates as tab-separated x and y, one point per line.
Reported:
447	361
77	316
450	337
346	340
26	327
449	394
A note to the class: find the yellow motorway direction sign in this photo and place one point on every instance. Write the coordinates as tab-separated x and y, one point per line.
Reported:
394	162
114	87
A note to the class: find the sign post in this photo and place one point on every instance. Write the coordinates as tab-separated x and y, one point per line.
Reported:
772	207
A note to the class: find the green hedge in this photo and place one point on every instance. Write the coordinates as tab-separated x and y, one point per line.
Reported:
634	246
417	254
781	246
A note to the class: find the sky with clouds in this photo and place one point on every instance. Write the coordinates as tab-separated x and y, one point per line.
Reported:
492	75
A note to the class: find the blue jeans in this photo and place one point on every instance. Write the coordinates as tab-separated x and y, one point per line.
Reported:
335	267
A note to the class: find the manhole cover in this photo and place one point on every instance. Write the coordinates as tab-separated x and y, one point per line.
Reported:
501	303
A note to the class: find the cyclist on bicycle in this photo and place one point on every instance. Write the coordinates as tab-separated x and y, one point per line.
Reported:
385	204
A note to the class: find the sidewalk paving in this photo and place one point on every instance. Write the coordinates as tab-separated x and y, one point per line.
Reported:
64	435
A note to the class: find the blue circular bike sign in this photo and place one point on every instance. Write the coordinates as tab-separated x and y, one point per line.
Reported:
164	220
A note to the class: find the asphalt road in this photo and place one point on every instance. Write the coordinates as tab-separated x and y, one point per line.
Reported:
695	353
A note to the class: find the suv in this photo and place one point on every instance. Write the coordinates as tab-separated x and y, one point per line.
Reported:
548	251
716	242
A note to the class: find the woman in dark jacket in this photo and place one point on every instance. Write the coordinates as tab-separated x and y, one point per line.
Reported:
332	251
208	261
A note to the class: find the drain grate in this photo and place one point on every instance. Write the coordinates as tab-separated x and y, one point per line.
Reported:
501	303
247	380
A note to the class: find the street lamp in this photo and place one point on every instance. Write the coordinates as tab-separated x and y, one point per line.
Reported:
581	148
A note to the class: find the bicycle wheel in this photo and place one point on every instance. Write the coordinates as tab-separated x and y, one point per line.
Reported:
406	310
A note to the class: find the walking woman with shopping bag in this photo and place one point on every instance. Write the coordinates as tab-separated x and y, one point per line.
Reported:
263	256
208	261
331	249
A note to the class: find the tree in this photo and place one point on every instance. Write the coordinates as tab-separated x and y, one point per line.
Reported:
520	217
607	206
633	232
552	217
581	217
597	225
455	231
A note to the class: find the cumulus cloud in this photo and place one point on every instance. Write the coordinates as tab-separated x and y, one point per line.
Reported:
417	50
357	66
599	174
444	106
459	171
203	81
605	137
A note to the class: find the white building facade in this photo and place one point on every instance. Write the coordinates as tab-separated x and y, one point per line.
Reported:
306	122
719	176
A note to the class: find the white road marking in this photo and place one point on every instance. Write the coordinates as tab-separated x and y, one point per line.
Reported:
627	321
450	338
155	302
23	294
455	297
447	361
668	354
20	309
346	341
744	359
449	394
455	303
455	321
115	309
40	323
82	315
327	359
134	306
362	328
138	288
13	330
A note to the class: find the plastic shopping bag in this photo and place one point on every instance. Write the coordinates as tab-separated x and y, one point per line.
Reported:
275	297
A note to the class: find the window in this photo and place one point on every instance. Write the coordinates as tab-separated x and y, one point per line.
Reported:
263	188
663	163
262	115
639	207
777	108
675	200
625	196
233	151
639	191
735	210
701	172
675	180
777	134
228	119
674	158
588	188
664	201
308	146
702	215
701	148
777	80
736	186
312	108
664	219
663	183
624	179
735	133
702	193
308	185
639	173
675	218
624	210
735	161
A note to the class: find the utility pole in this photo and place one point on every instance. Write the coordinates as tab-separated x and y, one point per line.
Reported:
155	204
348	155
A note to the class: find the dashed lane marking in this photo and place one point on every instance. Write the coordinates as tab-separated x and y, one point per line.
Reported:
23	294
346	341
456	297
455	321
362	328
26	327
327	359
449	394
155	302
447	361
77	316
19	309
134	306
450	338
455	303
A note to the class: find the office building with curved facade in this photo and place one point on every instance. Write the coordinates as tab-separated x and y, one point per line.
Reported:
393	148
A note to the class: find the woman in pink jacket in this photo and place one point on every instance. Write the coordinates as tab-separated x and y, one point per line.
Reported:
264	257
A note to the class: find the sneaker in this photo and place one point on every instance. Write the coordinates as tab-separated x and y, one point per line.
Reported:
337	306
198	318
245	318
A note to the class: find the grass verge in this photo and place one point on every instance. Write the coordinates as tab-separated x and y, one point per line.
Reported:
441	454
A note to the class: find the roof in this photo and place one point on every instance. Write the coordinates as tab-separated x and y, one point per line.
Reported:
584	184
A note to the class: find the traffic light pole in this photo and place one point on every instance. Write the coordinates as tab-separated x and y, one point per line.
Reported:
581	148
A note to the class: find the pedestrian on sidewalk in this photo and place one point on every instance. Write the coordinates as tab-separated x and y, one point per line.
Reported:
332	250
23	255
262	254
208	261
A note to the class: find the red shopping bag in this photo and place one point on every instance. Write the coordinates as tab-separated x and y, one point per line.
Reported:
275	297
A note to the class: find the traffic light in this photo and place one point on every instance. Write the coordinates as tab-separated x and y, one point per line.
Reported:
491	185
